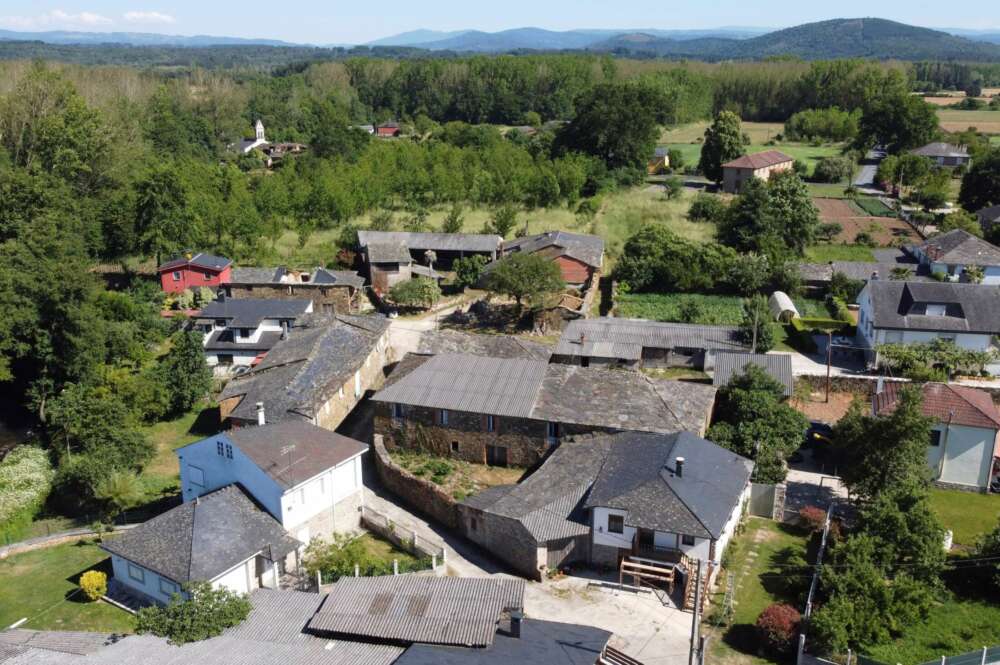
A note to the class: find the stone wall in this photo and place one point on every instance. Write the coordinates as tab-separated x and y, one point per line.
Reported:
342	402
503	537
418	493
340	299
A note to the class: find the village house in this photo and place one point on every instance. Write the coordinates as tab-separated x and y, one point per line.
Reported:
306	477
945	154
434	342
223	537
579	256
396	256
776	365
331	291
952	252
639	343
239	332
898	312
761	165
193	271
318	374
963	447
513	411
388	130
273	152
816	277
604	498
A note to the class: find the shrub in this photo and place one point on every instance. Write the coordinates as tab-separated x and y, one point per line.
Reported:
94	584
829	230
778	627
205	614
690	310
812	518
419	292
674	187
25	480
469	269
833	169
865	238
706	208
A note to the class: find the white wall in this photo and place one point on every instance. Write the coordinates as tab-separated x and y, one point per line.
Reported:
149	585
240	578
599	529
219	471
967	455
730	528
320	493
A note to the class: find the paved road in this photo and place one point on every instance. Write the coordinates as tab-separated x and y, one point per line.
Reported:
865	179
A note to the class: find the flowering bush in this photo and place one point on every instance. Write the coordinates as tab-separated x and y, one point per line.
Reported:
813	518
25	479
778	626
94	584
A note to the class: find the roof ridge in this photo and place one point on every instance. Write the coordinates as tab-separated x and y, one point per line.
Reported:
194	517
674	492
660	397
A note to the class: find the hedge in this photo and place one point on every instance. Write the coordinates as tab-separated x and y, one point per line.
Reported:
818	324
25	480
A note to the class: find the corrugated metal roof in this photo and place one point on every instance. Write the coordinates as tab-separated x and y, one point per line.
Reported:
777	365
625	338
468	242
74	642
429	610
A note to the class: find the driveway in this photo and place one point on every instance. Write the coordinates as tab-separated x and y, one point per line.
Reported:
865	179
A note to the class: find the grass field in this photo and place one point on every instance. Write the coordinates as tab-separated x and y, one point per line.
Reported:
717	310
807	153
968	515
827	253
955	121
42	587
759	132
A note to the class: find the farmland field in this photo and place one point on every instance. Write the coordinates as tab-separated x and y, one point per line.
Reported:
716	309
884	230
807	153
955	121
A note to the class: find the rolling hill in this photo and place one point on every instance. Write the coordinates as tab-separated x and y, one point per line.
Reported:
134	39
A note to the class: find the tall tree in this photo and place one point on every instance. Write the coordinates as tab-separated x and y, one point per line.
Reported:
899	122
775	218
523	277
981	185
162	218
723	143
187	376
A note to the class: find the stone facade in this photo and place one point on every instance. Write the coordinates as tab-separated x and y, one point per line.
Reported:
504	538
325	298
371	376
418	493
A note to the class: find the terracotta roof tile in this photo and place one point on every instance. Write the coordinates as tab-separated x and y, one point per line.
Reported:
759	160
963	405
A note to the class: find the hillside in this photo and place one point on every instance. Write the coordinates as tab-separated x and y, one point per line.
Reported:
133	39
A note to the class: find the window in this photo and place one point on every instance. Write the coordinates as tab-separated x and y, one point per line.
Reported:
229	451
443	417
935	309
585	361
225	358
491	424
397	410
167	587
616	523
218	448
935	438
357	384
177	276
136	573
454	446
687	540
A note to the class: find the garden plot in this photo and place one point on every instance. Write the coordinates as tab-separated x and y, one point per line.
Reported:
885	231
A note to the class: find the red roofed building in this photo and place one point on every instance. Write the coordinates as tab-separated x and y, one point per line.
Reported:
387	130
758	165
192	271
963	443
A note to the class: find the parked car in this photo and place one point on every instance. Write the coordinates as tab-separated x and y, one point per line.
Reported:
818	433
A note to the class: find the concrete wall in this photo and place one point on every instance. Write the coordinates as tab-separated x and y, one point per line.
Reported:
964	455
148	586
420	494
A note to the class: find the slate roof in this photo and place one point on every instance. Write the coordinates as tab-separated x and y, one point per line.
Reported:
777	366
960	246
318	277
249	312
624	339
199	540
434	342
301	373
960	405
315	449
972	308
387	252
989	215
759	160
557	393
583	247
639	476
941	149
200	260
458	611
549	502
454	242
540	643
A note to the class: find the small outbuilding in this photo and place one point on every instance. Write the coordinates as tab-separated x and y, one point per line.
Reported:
782	307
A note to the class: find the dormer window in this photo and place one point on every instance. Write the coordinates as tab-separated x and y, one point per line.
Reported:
936	309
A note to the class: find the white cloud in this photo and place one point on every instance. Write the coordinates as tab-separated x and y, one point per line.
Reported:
148	17
56	18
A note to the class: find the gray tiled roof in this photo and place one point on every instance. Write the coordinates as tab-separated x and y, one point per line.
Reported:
301	373
960	246
989	215
971	307
941	149
318	277
250	275
777	365
468	242
202	539
434	342
201	260
405	609
315	449
639	476
249	312
586	248
540	643
387	252
625	338
223	340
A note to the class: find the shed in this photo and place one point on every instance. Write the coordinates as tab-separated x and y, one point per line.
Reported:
782	308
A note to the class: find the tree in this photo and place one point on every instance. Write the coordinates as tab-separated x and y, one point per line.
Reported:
934	190
676	159
657	259
121	490
502	221
187	375
904	170
94	584
749	273
833	169
162	219
756	328
455	219
981	185
778	627
417	292
205	613
469	269
960	219
776	218
988	547
674	187
899	122
526	277
723	143
754	420
706	208
827	231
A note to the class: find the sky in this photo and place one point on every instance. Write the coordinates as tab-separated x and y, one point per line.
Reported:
354	22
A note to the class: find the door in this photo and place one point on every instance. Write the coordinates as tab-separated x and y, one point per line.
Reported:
357	384
645	540
496	456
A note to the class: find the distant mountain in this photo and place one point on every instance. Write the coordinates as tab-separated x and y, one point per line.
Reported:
417	37
133	39
838	38
991	36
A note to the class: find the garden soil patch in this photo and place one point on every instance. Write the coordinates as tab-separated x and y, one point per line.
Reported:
886	231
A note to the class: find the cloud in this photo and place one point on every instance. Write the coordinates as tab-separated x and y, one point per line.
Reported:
148	17
56	18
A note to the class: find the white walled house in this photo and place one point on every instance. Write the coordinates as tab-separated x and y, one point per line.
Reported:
239	332
308	478
963	443
952	252
223	538
896	312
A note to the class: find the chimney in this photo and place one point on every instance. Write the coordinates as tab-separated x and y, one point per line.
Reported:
679	467
515	623
874	275
284	330
260	413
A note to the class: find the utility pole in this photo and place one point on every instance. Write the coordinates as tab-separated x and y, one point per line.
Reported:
829	361
753	305
695	642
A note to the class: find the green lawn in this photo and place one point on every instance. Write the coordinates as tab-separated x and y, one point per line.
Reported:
41	586
716	309
827	190
995	140
758	582
759	132
827	253
968	515
807	153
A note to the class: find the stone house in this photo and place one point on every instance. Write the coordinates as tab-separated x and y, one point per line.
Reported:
636	343
579	256
513	411
318	374
306	477
761	165
396	256
239	332
952	252
963	446
331	291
